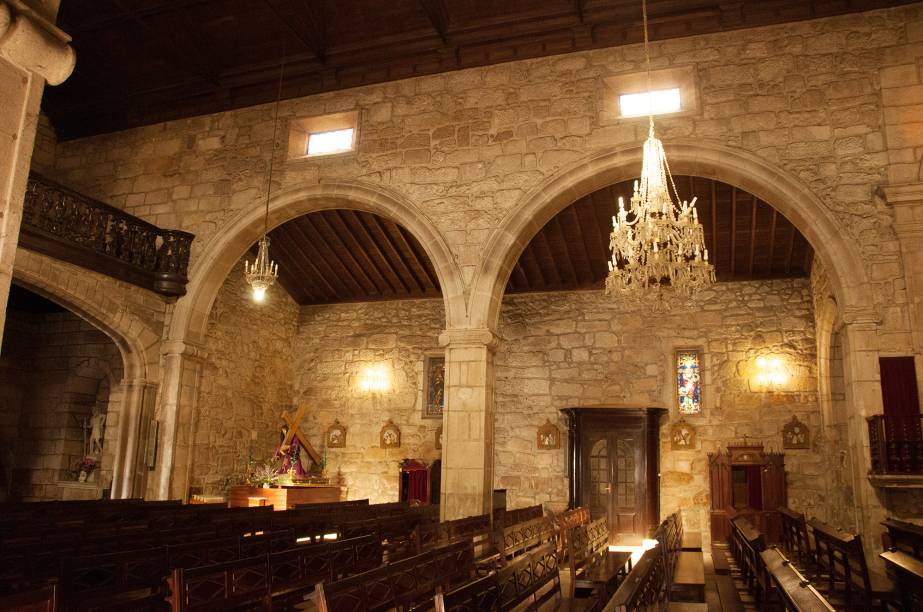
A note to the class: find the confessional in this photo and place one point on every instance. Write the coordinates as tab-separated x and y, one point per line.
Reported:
751	481
418	482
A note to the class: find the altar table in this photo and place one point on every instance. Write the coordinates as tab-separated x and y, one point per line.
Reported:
282	498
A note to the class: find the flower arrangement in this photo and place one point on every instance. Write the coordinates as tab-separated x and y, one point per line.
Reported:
83	468
264	474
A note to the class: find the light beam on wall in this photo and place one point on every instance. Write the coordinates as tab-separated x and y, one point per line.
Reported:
375	379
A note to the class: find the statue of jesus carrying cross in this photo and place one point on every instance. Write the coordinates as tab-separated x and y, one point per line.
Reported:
292	441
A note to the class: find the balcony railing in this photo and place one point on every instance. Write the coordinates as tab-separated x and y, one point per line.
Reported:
896	444
75	228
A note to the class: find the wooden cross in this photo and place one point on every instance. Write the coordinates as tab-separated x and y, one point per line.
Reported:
295	432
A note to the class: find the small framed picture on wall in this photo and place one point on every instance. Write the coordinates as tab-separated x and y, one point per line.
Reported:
433	386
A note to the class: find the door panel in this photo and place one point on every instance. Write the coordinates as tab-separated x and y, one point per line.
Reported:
598	478
613	466
625	503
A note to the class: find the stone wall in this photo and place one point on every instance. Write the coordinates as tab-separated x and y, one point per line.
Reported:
247	381
336	347
583	349
65	368
467	146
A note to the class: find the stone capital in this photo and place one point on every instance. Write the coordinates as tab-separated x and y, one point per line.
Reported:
458	338
32	42
183	348
861	317
907	201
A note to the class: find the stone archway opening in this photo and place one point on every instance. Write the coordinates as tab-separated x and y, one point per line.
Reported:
63	399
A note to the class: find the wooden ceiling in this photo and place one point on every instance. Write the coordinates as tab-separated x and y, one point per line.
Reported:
145	61
747	239
346	255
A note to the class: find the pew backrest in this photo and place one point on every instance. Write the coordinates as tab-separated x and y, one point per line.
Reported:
96	576
795	538
645	587
523	537
37	600
481	595
794	590
905	536
224	586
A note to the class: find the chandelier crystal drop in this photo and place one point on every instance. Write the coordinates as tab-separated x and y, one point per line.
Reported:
658	246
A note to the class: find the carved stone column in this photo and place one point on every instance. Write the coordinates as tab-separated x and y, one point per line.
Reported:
129	474
468	422
32	51
177	415
907	202
863	398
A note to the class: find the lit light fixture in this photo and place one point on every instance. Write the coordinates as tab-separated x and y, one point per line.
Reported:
658	246
375	379
771	373
262	274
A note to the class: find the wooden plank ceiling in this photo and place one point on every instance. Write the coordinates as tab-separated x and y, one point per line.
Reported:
144	61
346	255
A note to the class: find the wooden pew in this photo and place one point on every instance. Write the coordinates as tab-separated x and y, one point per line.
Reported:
522	537
590	564
98	580
791	587
481	595
645	587
569	519
905	536
403	585
748	544
476	529
38	600
795	540
909	573
841	556
521	515
225	586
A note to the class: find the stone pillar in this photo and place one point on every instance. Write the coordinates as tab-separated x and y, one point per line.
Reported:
129	474
32	51
863	399
907	202
176	415
468	423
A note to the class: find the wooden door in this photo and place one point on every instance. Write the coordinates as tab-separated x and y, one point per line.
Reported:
614	465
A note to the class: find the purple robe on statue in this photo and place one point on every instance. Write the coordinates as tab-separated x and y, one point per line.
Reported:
291	457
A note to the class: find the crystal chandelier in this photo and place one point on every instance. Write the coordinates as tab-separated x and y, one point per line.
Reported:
658	246
262	273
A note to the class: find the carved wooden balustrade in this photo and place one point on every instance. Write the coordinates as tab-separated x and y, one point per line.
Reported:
78	229
896	444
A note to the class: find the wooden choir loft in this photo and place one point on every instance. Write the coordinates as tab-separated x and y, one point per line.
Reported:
335	306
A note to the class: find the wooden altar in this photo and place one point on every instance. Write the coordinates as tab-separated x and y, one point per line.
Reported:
751	481
282	498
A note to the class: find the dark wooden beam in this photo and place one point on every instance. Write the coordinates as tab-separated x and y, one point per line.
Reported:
356	220
581	240
359	250
315	237
567	257
295	280
438	15
396	252
530	256
306	26
714	222
789	248
312	254
521	273
419	259
344	254
541	243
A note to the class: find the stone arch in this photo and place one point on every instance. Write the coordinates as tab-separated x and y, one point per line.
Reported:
138	344
223	251
730	165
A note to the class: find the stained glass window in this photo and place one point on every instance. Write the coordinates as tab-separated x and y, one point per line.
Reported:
688	382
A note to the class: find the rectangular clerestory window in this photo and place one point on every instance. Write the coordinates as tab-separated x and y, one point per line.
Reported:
670	91
322	135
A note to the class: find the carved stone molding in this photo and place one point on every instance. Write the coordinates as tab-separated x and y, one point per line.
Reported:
469	338
33	43
185	348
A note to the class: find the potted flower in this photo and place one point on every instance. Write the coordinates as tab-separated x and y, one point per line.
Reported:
83	468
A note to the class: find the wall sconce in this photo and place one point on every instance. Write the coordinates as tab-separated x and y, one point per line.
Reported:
375	379
771	373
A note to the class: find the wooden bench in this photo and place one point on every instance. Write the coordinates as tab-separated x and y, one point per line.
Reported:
531	581
719	561
748	544
689	577
569	519
692	541
241	584
476	529
522	537
92	581
909	573
294	572
905	536
794	591
646	585
841	556
521	515
794	536
38	600
591	566
404	585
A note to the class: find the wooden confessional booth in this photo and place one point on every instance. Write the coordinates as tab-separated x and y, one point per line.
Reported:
752	482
